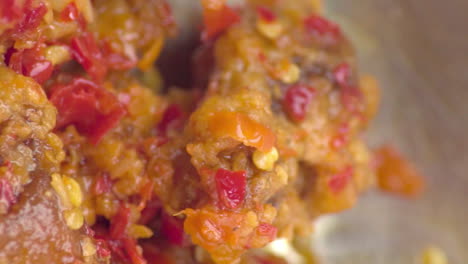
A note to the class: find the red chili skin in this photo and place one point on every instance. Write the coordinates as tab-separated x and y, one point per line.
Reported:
119	223
7	195
31	19
350	94
268	230
340	180
69	13
130	246
31	63
152	209
92	109
10	11
103	184
266	14
341	138
171	118
173	229
86	51
102	248
231	188
322	27
296	101
216	21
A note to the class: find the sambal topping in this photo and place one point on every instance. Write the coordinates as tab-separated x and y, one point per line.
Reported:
120	222
342	74
103	184
133	251
351	95
31	62
217	17
92	109
172	118
173	229
341	138
231	188
86	51
339	180
396	175
265	160
266	14
221	170
7	196
32	17
10	11
322	27
296	101
242	128
268	230
70	12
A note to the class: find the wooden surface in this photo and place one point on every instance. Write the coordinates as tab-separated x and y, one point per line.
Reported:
418	50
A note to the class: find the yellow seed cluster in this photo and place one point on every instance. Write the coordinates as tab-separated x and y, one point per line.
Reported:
265	160
73	191
140	231
74	218
88	247
59	187
434	255
57	54
71	197
271	30
282	175
289	72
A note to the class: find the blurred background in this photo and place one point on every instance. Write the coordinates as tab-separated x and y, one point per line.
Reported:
418	50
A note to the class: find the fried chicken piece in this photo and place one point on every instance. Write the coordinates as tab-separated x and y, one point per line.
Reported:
277	133
33	225
26	141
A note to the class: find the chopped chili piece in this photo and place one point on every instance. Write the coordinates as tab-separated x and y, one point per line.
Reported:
151	210
114	60
268	230
86	51
350	94
146	194
397	175
10	11
319	25
102	248
103	184
130	247
341	138
70	12
31	18
297	100
7	195
266	14
342	74
339	181
173	229
242	128
31	63
120	222
231	188
172	117
92	109
217	17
